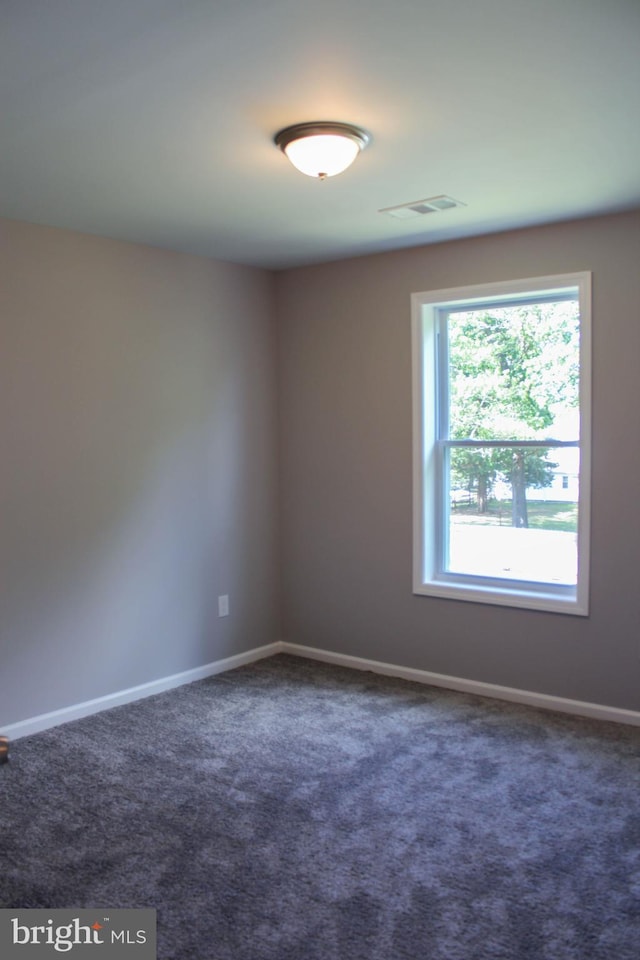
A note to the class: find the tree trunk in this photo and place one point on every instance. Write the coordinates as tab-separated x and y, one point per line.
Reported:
482	495
519	516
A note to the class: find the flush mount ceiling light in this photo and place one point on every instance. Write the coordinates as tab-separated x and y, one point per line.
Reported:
321	149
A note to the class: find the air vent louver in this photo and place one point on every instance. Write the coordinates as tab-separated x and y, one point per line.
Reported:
418	208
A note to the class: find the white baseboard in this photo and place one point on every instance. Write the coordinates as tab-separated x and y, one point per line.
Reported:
579	708
542	700
25	728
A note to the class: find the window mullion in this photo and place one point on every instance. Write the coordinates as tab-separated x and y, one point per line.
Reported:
544	444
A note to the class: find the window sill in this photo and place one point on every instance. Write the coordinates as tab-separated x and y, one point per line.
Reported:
561	601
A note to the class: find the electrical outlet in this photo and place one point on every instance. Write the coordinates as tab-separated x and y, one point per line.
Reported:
223	606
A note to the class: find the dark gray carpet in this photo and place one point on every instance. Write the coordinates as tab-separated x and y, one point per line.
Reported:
294	811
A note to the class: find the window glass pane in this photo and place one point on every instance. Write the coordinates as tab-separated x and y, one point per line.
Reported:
511	515
514	372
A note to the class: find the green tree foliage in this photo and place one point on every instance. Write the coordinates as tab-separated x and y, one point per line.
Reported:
513	375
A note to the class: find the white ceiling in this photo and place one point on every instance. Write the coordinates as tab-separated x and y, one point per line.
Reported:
152	120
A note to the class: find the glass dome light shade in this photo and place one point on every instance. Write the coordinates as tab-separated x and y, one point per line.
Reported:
321	150
323	155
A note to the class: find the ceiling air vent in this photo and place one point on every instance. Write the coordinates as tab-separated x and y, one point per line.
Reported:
419	207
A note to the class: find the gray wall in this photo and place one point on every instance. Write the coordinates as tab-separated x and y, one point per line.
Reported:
345	429
140	460
137	400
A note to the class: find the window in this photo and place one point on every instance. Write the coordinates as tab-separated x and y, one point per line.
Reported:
501	443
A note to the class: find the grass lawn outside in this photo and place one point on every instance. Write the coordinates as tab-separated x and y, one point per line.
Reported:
487	545
543	515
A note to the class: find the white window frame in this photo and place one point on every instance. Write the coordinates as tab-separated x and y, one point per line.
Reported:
429	577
